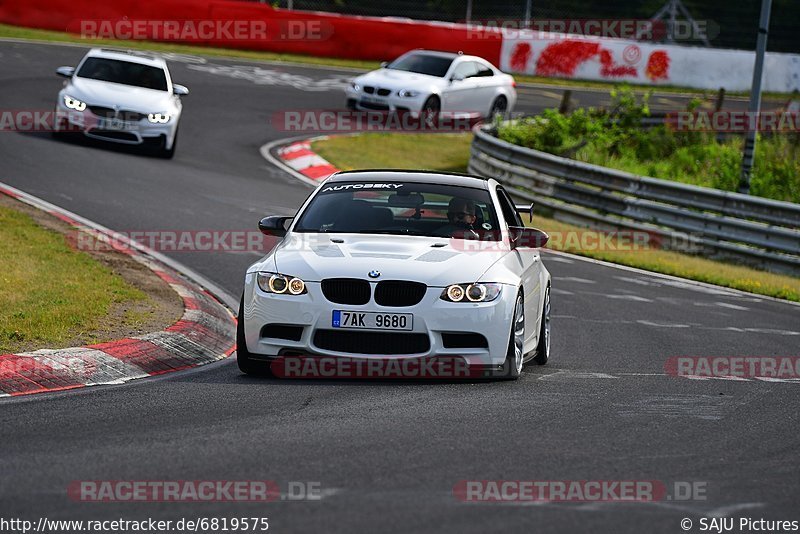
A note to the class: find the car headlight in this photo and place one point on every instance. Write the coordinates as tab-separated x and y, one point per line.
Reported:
407	93
355	86
478	292
74	103
280	284
159	118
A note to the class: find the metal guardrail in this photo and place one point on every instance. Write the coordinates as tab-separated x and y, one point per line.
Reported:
759	231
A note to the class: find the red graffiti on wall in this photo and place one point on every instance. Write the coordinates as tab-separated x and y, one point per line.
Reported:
658	65
563	59
520	57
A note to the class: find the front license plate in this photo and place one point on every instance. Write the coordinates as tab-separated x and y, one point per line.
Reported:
112	124
372	320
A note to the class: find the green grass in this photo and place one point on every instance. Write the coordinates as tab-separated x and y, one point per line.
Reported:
442	152
18	32
50	294
451	153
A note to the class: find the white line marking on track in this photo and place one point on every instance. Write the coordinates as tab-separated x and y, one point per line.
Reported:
574	279
635	298
661	325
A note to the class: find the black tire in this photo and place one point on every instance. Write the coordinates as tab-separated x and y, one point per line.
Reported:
165	153
512	367
499	107
543	347
243	359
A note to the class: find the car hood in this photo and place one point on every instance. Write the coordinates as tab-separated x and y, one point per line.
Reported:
399	79
107	94
314	257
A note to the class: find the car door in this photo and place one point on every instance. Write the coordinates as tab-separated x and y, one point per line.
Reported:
488	86
529	264
459	95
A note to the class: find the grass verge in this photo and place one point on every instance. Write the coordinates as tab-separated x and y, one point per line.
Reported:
19	32
54	296
451	153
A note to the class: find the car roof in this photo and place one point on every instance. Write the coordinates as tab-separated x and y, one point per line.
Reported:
449	55
134	56
430	177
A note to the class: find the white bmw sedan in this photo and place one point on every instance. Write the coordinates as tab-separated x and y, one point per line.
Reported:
379	265
432	82
122	97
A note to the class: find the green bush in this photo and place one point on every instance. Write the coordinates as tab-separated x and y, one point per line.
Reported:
614	138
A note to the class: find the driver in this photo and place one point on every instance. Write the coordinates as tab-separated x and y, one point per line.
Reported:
461	217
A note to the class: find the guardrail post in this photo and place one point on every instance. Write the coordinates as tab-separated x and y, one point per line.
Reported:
563	108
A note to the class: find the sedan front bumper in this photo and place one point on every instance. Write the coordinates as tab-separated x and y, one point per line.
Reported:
477	332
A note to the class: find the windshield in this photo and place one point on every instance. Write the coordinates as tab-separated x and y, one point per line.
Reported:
124	72
401	208
429	64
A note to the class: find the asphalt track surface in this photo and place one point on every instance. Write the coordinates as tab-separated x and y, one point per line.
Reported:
388	454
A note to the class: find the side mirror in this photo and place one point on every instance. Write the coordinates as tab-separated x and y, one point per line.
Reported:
525	208
180	90
66	72
384	64
456	78
274	225
524	237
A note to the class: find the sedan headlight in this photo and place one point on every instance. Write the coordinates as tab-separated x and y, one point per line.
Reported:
355	86
478	292
74	103
159	118
407	93
280	284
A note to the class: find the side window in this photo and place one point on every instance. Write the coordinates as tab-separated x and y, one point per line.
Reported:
465	70
484	71
507	206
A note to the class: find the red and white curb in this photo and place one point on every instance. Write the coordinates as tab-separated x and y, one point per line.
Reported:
300	160
204	334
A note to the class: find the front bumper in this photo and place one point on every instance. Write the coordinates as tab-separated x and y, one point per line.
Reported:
432	318
362	101
142	132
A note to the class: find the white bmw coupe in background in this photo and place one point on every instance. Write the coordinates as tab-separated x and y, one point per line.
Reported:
432	82
122	97
400	264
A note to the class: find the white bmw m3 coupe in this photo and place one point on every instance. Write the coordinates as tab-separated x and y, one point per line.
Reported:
121	97
378	265
428	82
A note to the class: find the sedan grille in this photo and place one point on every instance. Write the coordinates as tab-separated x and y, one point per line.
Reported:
369	89
372	343
109	113
384	92
399	293
346	290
